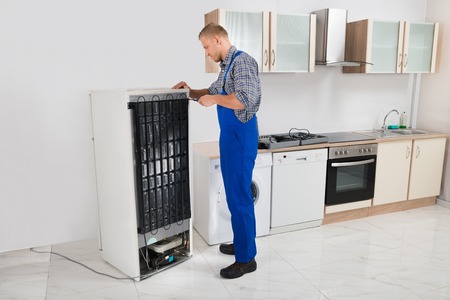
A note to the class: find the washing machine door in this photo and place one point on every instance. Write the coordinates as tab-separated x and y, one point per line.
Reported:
222	198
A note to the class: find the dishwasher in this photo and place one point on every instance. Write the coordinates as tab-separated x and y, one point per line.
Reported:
298	189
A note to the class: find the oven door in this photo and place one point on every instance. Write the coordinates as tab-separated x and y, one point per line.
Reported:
350	179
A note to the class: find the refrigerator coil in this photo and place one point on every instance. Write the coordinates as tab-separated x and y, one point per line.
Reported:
160	124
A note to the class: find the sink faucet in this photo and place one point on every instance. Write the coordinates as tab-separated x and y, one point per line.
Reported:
383	128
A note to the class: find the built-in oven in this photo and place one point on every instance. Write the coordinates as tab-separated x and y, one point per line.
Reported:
350	174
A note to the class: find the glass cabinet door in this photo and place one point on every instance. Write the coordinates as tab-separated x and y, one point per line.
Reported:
290	43
387	39
245	30
419	46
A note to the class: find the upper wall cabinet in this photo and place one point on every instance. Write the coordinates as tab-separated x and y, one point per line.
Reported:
391	47
278	42
420	45
292	43
245	30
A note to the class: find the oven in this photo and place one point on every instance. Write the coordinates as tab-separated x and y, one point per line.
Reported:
350	174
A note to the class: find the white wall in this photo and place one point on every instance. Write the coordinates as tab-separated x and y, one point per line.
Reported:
53	52
434	105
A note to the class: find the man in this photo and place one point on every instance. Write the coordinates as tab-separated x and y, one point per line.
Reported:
237	94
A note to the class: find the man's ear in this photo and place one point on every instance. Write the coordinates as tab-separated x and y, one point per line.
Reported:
217	39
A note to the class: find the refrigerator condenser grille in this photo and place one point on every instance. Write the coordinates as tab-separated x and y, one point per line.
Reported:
161	160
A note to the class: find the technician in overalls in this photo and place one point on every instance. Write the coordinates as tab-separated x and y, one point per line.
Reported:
237	94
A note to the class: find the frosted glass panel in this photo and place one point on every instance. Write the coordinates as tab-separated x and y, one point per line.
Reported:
420	47
384	47
292	50
245	31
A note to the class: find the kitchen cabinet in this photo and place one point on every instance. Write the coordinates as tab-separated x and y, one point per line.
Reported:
391	47
292	43
427	161
392	172
408	170
245	30
278	42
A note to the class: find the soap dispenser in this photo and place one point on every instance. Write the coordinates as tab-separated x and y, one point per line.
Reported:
403	120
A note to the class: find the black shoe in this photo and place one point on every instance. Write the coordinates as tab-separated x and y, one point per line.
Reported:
236	270
227	249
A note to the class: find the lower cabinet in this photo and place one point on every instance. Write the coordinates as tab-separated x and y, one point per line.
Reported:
408	170
427	161
392	172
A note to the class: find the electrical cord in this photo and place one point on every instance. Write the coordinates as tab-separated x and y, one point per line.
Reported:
77	262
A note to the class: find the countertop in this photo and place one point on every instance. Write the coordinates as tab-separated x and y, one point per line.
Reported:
211	149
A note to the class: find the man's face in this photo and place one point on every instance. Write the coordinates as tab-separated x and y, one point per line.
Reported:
212	47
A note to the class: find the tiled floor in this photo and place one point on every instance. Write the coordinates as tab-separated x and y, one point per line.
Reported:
404	255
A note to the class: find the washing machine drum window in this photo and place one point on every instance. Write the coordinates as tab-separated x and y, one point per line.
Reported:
223	199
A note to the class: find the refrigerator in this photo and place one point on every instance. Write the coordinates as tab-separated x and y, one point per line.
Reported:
141	151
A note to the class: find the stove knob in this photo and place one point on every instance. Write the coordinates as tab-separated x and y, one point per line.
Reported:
370	149
341	152
336	153
346	152
360	150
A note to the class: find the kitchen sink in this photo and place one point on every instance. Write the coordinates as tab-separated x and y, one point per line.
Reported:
408	131
391	133
379	133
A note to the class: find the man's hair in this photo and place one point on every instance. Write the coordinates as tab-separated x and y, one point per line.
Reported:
213	29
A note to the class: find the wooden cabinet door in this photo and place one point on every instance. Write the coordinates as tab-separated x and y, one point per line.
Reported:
426	168
392	172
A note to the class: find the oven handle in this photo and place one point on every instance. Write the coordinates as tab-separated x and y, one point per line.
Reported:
355	163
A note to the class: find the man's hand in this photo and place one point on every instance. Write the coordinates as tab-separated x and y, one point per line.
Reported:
181	85
208	100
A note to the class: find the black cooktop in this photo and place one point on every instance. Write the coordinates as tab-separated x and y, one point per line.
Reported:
340	137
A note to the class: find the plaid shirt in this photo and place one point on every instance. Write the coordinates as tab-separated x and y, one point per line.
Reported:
242	79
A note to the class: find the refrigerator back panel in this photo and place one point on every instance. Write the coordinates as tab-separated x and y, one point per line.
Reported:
160	123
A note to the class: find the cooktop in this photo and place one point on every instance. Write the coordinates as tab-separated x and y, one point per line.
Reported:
340	137
290	139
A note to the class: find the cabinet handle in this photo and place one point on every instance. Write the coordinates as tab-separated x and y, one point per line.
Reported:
418	151
273	54
400	60
408	152
406	59
266	55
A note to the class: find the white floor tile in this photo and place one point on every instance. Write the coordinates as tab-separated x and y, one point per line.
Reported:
369	288
424	278
258	285
404	255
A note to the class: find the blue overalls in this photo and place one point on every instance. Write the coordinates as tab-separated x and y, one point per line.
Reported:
238	144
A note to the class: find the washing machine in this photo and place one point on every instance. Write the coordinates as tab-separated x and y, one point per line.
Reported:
212	219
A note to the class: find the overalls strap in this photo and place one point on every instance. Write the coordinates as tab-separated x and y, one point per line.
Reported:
228	69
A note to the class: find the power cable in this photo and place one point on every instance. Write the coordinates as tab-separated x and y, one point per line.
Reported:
89	268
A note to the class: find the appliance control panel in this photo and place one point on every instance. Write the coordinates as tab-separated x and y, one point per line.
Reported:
352	151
